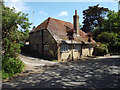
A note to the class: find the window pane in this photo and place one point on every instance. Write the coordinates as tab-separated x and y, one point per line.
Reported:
64	48
77	47
46	47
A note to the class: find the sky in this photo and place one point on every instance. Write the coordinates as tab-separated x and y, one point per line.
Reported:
59	10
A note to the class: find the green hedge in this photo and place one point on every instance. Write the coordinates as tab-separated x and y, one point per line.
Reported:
100	50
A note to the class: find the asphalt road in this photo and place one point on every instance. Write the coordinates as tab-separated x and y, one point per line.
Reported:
91	74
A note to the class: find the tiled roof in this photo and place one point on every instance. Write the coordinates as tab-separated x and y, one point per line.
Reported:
57	28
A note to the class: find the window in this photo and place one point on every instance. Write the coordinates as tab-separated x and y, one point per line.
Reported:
46	47
40	33
77	47
90	48
64	48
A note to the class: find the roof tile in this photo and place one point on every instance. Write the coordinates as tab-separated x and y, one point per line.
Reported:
57	28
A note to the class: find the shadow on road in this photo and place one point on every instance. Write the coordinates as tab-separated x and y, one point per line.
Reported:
89	74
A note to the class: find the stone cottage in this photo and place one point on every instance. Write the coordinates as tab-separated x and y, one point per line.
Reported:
50	39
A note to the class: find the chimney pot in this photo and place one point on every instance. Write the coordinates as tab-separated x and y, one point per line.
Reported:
75	12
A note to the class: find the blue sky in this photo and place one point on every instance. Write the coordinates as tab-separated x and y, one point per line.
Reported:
59	10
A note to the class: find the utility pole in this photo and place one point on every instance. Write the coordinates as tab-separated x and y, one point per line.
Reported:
33	19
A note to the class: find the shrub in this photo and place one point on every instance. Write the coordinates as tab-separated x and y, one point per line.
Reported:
100	50
12	66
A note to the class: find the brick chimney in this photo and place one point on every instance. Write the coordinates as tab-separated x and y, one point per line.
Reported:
76	23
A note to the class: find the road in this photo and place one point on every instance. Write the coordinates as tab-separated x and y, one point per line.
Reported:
93	73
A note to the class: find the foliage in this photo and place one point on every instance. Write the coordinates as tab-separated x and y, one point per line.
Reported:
11	49
15	28
100	50
108	38
109	33
93	17
11	66
11	21
112	23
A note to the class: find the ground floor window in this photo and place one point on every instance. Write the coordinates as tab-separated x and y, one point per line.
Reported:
46	47
77	47
64	48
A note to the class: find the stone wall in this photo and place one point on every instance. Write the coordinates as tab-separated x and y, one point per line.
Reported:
36	42
54	49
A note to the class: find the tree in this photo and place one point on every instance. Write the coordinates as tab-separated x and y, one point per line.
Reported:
112	23
15	27
111	39
93	17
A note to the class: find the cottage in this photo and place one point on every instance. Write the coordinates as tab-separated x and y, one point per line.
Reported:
51	39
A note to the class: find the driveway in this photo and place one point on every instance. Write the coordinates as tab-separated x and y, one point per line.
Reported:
32	63
93	73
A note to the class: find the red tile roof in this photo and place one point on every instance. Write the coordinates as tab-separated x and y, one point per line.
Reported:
57	28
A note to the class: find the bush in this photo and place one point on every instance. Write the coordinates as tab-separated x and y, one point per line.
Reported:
100	50
11	66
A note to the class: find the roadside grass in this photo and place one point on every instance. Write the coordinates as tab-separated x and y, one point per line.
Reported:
54	60
8	75
5	75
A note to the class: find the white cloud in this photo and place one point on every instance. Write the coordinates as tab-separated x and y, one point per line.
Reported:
19	5
63	13
43	13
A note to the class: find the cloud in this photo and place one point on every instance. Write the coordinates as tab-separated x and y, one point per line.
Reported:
19	5
43	13
63	13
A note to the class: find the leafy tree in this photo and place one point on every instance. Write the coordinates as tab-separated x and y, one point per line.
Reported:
11	21
93	17
15	27
109	32
112	40
108	38
112	23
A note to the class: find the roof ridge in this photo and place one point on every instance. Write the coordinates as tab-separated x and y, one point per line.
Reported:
47	23
59	20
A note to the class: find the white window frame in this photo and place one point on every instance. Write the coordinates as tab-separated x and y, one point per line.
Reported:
64	48
46	47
